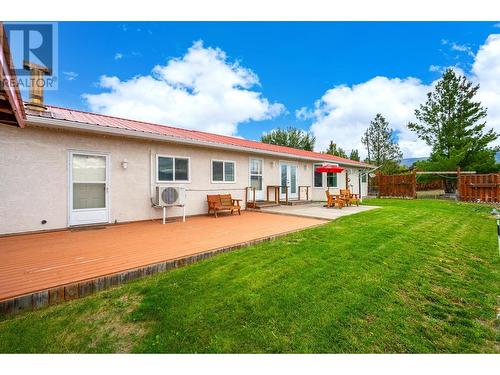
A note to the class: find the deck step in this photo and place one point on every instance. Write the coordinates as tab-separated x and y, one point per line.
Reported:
295	202
262	204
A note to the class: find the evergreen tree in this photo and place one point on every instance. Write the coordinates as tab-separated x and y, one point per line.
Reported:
290	137
354	155
379	142
453	124
334	150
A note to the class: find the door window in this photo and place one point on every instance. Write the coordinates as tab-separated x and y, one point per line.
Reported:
89	181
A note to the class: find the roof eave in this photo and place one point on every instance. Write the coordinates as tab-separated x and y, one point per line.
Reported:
8	77
65	124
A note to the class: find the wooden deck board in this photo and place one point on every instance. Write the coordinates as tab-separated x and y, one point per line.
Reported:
40	261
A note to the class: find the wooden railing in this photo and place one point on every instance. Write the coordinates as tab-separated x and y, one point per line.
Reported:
307	187
286	193
250	204
276	189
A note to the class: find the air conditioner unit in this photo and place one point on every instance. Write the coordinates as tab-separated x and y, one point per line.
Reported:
169	196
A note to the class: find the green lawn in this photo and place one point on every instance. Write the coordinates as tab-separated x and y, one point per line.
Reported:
414	276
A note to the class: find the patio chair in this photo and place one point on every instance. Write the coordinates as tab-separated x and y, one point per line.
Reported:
223	202
333	200
349	198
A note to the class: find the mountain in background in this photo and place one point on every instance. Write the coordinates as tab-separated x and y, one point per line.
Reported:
408	162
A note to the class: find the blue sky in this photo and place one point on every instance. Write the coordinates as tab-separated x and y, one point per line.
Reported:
296	63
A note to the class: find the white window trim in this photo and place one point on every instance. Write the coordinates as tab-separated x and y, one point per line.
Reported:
324	181
259	193
322	177
174	181
69	189
223	171
250	167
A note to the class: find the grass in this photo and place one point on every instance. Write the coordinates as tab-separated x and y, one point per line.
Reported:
414	276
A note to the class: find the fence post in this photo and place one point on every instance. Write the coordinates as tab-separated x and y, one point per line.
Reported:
496	187
379	182
414	181
458	183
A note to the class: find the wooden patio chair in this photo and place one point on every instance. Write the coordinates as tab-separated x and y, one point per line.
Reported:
349	198
223	202
333	200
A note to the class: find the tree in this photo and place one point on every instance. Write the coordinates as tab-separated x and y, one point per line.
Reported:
354	155
453	124
381	147
290	137
334	150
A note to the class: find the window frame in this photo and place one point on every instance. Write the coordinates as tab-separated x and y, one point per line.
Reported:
314	173
324	179
336	180
174	181
223	171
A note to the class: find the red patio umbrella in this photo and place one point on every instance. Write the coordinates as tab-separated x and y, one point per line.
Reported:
329	169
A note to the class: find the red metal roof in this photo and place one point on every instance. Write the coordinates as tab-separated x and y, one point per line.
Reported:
195	135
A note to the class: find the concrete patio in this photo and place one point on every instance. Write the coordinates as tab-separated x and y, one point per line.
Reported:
317	210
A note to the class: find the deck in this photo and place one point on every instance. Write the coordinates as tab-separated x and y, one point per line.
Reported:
36	262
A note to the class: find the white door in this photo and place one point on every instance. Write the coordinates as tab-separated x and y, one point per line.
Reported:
88	188
256	179
288	179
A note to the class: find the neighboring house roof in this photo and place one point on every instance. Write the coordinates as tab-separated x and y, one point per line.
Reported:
60	116
11	104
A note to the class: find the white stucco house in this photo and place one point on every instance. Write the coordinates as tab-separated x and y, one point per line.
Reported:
61	167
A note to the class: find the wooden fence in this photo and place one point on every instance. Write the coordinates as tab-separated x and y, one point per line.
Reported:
479	187
397	185
430	185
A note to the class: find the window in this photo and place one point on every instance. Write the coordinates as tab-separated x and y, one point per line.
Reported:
222	171
172	169
256	174
331	179
318	176
363	177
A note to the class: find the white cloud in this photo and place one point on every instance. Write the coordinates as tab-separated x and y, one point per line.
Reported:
486	71
458	47
201	90
304	113
118	56
344	112
462	48
436	68
70	76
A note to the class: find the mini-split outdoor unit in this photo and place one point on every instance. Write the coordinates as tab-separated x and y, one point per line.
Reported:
169	196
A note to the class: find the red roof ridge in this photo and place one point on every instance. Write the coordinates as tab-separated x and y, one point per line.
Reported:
284	149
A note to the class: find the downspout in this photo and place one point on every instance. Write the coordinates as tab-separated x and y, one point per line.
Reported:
359	185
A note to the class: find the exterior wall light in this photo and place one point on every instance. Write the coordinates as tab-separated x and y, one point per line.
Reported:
124	164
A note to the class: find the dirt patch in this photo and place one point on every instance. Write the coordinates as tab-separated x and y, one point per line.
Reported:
112	323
